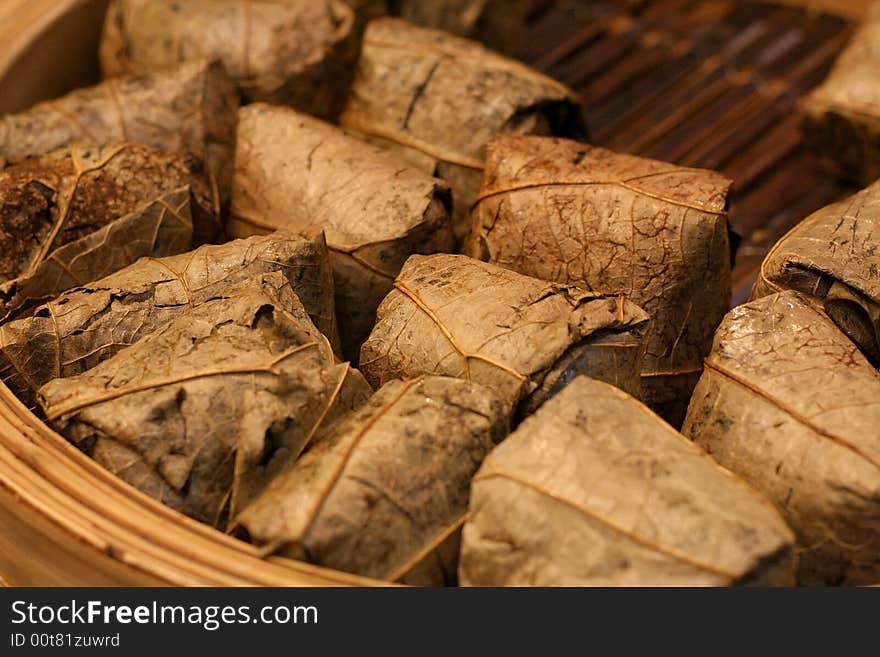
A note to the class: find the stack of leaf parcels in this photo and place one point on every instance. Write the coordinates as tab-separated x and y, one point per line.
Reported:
426	343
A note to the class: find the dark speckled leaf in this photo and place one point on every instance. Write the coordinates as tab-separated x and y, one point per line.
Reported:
79	214
88	325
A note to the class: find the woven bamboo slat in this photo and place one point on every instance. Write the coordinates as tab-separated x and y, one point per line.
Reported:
707	83
711	83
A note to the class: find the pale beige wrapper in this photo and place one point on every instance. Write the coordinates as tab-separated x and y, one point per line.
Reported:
596	490
88	325
842	116
792	406
292	52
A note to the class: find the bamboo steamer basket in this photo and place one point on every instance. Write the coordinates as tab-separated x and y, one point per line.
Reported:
64	520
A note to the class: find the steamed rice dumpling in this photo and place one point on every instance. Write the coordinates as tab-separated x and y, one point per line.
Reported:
384	494
595	490
525	338
792	406
657	233
437	99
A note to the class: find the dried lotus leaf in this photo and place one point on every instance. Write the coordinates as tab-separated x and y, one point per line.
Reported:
788	403
842	116
499	24
291	52
596	490
524	338
79	214
384	495
202	413
297	173
88	325
577	214
441	97
367	10
191	111
833	257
